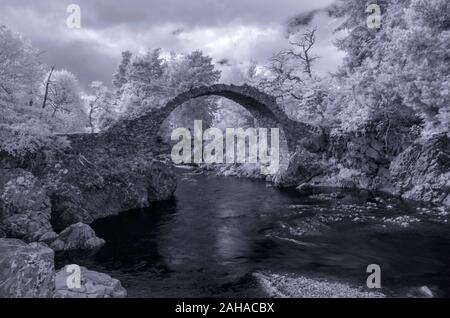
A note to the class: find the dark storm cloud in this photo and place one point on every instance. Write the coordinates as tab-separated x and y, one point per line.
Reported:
234	30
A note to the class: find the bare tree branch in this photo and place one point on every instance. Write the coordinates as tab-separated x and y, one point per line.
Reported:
302	50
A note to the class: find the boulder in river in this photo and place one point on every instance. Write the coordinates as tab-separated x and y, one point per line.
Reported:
26	270
76	237
303	166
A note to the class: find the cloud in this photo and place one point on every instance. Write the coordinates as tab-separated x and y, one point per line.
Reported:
234	30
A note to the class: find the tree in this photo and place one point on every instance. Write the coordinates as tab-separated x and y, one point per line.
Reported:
20	69
301	51
63	107
63	94
290	78
146	84
99	107
315	104
121	76
286	79
423	67
186	72
192	70
402	66
23	126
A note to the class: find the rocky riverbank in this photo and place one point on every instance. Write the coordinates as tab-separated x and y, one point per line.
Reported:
420	171
48	200
52	192
398	162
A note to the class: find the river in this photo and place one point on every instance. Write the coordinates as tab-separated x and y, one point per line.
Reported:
219	231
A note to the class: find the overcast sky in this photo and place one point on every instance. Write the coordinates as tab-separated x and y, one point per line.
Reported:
237	30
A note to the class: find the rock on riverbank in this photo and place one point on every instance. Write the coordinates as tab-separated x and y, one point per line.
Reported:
26	270
422	171
93	285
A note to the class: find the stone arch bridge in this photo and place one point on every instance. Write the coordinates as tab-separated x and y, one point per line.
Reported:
139	135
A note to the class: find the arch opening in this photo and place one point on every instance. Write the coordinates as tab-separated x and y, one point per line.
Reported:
261	107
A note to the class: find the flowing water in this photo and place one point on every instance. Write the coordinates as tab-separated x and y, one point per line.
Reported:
219	231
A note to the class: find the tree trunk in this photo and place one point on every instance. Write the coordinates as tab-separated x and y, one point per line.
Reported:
308	64
91	124
47	86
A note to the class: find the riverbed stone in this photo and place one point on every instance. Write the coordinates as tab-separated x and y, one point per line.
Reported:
285	285
420	292
93	285
26	270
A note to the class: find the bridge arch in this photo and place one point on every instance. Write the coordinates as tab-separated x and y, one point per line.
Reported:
261	106
140	135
